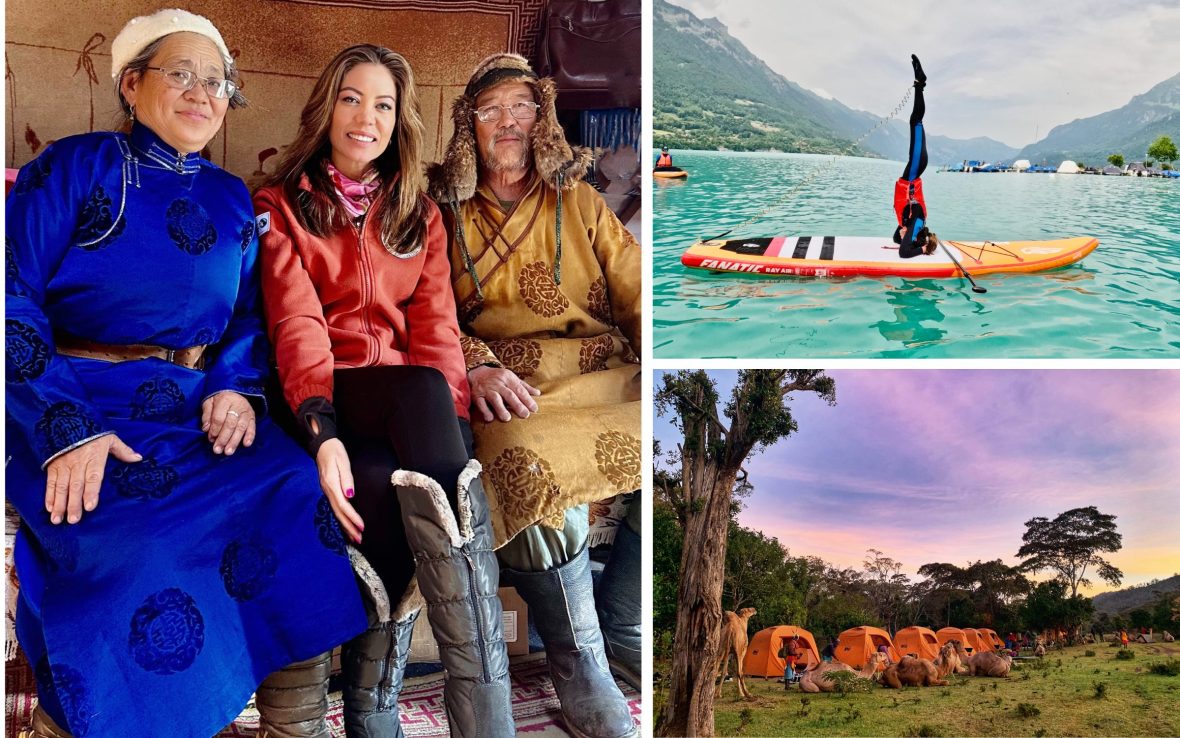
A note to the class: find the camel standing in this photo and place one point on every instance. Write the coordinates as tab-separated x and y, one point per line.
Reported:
913	671
735	640
815	680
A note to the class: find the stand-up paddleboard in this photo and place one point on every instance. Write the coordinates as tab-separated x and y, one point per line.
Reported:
669	173
850	256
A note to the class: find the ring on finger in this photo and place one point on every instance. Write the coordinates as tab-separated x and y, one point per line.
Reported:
234	413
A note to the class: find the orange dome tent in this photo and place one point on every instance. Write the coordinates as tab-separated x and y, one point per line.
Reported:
993	638
762	655
858	644
977	641
946	635
916	640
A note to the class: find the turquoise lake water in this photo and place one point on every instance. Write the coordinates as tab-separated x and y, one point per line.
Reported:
1121	301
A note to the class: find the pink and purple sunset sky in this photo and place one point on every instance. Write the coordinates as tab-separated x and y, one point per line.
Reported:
947	465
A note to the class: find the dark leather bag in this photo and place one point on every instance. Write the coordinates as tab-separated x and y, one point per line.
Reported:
593	51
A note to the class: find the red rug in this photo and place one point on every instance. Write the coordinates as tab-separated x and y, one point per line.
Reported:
534	703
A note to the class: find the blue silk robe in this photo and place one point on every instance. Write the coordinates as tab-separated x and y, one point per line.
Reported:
198	574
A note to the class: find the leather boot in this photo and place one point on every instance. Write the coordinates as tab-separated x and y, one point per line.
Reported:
293	702
374	666
42	726
562	605
619	604
458	575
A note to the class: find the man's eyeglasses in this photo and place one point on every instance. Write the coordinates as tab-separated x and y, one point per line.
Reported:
184	79
519	110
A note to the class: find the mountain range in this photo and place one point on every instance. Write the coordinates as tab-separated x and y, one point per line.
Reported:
1128	130
1125	600
712	92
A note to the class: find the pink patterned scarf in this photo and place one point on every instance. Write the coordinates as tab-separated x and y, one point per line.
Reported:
356	197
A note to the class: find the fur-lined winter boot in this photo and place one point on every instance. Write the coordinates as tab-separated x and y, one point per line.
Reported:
458	575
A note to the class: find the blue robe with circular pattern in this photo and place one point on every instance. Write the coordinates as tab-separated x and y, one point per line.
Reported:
198	574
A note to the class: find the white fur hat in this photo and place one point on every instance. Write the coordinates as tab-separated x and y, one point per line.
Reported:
142	31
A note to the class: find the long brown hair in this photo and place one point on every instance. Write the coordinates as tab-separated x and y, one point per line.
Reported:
403	219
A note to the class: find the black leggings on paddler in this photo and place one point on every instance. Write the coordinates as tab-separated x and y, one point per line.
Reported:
389	418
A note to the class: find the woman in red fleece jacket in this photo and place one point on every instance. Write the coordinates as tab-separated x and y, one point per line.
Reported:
360	309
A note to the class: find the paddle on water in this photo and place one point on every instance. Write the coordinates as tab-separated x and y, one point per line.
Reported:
974	287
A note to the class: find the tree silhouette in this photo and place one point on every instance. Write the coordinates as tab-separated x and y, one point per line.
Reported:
1069	544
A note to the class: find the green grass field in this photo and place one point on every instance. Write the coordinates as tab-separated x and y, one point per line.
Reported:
1057	697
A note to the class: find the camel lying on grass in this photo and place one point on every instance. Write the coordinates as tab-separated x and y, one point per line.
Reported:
989	664
734	640
815	680
913	671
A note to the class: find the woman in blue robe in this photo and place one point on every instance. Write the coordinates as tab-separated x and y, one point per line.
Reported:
175	547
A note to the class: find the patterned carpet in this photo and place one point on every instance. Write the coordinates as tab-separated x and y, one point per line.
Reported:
534	704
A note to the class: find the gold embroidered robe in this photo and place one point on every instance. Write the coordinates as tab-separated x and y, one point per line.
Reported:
577	342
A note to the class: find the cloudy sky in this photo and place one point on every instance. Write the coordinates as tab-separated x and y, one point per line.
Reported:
946	466
998	68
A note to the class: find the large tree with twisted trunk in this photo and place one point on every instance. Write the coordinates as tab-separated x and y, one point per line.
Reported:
711	458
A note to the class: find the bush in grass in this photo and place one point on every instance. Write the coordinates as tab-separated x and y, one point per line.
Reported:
1125	655
746	716
1027	710
1090	653
847	682
1171	667
1041	733
1099	690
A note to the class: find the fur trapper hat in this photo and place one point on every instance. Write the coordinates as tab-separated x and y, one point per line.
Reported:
455	179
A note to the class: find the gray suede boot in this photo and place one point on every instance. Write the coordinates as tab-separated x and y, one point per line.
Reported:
458	575
619	604
374	667
562	604
293	702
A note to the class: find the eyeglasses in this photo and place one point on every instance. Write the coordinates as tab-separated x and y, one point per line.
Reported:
184	79
519	110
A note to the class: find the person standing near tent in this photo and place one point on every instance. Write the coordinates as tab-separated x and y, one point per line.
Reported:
908	202
790	654
829	652
1123	637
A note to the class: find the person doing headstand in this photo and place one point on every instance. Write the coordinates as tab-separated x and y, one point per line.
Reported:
912	234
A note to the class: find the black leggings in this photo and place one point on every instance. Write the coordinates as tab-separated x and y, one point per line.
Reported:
917	156
914	215
389	418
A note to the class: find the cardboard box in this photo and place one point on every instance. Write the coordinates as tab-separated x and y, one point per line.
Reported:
516	621
516	629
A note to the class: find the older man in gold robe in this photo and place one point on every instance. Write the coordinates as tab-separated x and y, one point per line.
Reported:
548	287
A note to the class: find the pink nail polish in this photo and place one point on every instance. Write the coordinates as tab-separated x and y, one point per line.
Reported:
349	493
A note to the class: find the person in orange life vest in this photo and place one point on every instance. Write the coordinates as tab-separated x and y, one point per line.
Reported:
665	160
908	202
